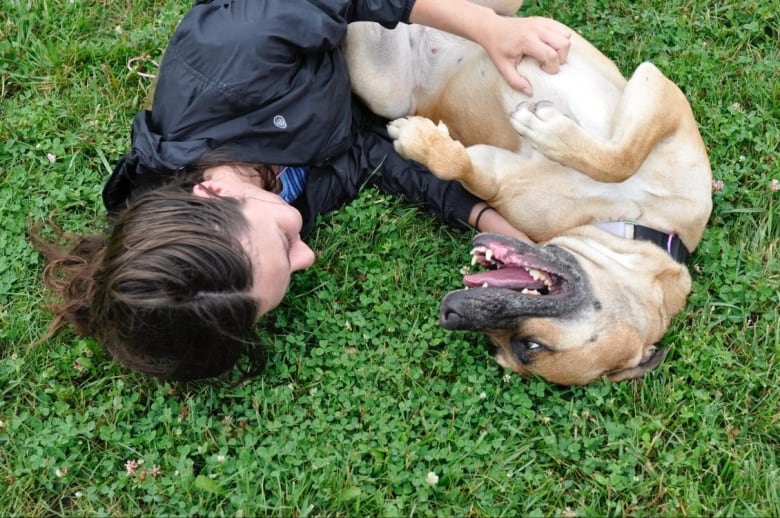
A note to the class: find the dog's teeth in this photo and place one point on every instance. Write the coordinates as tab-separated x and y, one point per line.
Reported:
489	254
526	291
474	260
485	285
538	276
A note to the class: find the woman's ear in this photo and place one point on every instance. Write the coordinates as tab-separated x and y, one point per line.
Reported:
207	189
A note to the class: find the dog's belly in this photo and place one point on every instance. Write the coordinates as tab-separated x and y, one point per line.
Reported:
588	94
578	90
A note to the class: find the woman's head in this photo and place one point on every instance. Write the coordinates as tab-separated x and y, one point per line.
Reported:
175	288
272	237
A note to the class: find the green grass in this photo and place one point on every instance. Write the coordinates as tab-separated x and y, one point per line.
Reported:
365	394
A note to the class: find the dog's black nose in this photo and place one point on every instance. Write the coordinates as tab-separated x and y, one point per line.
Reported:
449	318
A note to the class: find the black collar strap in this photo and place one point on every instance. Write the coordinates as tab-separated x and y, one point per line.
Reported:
669	242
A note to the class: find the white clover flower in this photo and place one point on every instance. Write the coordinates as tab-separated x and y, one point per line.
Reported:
483	395
131	466
774	185
220	458
51	157
432	478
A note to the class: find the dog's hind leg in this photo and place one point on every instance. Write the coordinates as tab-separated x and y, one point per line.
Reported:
378	61
651	107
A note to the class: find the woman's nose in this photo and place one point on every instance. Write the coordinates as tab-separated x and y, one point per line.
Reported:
301	256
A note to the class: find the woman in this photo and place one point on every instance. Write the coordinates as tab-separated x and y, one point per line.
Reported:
253	99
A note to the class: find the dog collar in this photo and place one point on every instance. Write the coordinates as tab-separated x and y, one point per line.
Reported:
630	230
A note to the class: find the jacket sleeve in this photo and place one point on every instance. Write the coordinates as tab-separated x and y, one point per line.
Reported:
448	201
372	161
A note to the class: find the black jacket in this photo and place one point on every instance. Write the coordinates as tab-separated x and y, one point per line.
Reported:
264	81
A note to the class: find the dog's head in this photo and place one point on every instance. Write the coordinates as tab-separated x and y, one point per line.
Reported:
585	305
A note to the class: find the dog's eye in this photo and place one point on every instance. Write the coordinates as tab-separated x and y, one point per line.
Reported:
525	348
527	344
531	345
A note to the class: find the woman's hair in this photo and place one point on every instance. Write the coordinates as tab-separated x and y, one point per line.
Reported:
167	290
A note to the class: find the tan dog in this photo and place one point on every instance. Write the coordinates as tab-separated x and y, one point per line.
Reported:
600	169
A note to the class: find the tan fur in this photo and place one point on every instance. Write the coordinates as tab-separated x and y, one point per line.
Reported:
588	147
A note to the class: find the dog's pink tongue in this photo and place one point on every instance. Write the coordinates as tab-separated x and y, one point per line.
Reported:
511	278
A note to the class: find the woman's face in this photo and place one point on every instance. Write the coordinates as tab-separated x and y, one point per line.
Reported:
273	241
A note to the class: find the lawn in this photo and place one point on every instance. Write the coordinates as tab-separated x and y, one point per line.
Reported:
367	406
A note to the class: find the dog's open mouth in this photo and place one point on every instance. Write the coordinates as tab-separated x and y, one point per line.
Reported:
508	268
522	279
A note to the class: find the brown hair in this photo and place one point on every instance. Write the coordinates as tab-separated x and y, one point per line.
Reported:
166	291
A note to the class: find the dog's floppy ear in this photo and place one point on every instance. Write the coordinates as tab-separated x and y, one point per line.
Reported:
650	362
675	283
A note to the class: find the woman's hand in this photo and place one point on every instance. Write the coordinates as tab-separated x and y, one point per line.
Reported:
513	38
506	39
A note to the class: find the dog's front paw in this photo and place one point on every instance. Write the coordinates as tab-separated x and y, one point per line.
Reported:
414	136
419	139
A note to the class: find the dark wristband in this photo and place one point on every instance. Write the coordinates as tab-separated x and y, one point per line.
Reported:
479	216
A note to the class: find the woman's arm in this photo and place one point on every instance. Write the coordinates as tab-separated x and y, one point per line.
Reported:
486	219
506	39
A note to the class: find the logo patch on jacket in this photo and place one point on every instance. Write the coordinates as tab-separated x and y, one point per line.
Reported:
280	122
